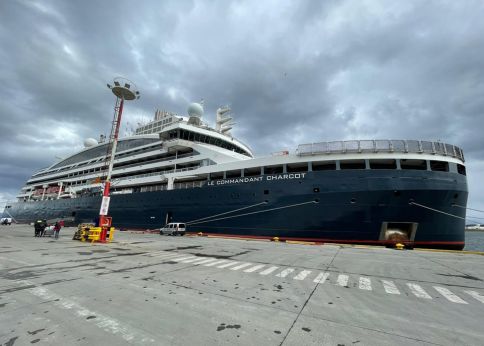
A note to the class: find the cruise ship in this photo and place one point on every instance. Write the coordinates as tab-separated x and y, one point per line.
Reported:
179	169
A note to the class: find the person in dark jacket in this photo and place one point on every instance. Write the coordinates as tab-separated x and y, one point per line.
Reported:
44	226
39	227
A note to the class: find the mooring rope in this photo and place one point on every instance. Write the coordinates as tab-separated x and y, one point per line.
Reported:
443	212
436	210
227	212
252	213
460	206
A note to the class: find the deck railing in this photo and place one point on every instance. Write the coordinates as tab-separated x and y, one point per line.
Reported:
381	146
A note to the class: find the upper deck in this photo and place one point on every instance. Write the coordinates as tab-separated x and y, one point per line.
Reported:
381	146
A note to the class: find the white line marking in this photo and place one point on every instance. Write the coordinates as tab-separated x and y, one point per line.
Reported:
206	260
321	278
191	260
104	322
390	287
364	284
302	275
254	268
449	295
227	264
214	263
418	291
285	272
476	295
342	280
268	270
240	266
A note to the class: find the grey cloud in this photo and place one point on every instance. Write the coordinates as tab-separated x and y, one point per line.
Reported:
293	72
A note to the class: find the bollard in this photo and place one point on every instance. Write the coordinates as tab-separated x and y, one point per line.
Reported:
399	246
276	239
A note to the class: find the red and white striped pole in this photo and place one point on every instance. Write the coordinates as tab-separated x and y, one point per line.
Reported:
122	92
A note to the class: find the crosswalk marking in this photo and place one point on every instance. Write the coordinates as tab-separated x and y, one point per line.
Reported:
206	260
285	272
449	295
418	291
342	280
191	260
227	264
254	268
321	278
476	295
302	275
215	263
240	266
390	287
268	271
364	284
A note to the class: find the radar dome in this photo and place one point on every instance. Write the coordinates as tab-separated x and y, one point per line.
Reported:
195	110
90	142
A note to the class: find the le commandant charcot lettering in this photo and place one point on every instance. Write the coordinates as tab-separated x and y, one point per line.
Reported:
255	179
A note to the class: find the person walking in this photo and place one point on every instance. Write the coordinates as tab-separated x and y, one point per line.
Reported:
43	227
57	228
37	228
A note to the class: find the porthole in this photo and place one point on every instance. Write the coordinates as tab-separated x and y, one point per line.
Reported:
353	200
266	192
456	196
316	189
396	193
316	200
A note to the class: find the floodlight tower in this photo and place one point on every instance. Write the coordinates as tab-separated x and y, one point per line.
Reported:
123	89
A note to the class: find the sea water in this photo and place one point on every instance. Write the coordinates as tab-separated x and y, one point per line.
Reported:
474	241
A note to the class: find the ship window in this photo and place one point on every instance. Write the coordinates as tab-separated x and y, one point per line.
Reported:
352	164
251	172
413	164
233	174
324	166
273	169
297	167
383	164
441	166
461	169
216	175
266	192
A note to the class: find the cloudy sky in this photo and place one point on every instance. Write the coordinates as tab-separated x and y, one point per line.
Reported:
292	71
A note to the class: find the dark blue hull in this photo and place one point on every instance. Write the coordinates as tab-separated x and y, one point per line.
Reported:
347	206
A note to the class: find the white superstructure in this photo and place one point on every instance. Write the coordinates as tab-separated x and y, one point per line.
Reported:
173	152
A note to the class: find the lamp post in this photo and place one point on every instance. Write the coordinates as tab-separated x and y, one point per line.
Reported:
123	89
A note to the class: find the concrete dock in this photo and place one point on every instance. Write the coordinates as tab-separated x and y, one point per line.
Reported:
147	289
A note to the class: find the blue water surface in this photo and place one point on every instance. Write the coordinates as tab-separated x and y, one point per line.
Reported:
474	241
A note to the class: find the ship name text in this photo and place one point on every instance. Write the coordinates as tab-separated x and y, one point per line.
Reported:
285	176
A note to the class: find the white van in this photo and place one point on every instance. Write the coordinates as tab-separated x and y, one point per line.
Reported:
173	228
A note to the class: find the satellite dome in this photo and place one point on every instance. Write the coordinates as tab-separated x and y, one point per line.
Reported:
90	142
195	110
